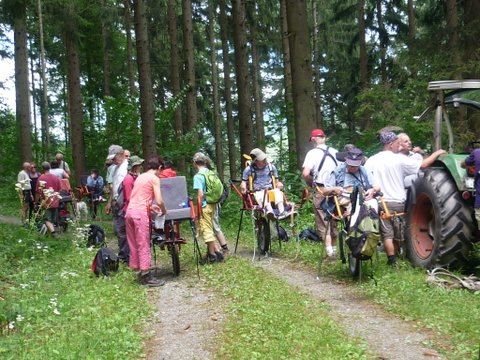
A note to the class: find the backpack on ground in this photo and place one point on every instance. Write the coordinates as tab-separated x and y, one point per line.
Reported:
310	235
96	236
216	191
105	262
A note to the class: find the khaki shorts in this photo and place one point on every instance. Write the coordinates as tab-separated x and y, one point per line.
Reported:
324	226
389	228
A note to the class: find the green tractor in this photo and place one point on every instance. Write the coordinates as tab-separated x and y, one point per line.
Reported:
440	222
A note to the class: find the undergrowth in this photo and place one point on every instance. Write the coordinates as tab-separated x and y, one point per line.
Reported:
52	307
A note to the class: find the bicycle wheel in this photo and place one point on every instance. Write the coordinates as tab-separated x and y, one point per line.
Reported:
263	235
175	254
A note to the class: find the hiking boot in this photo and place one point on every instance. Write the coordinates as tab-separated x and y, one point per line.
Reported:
212	258
392	261
149	280
219	256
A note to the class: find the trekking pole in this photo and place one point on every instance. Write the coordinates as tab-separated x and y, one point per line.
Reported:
341	236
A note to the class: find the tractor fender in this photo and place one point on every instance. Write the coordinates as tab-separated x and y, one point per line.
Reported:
452	164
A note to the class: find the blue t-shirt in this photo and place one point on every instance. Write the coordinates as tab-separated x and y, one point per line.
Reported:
262	178
474	159
200	183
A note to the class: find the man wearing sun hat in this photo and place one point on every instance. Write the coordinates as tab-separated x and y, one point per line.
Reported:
317	167
389	168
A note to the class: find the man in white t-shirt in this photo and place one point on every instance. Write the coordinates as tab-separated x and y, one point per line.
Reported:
317	167
389	168
407	149
117	154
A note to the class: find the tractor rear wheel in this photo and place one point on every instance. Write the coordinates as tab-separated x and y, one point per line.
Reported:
440	223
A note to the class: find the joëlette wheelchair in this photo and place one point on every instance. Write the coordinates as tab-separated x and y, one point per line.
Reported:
179	208
260	221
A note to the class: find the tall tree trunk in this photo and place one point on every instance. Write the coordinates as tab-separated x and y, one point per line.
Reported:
383	42
74	96
216	101
287	81
175	74
363	58
130	63
316	67
190	64
33	122
471	15
43	77
257	79
302	85
22	94
454	38
227	95
147	109
412	27
105	51
242	76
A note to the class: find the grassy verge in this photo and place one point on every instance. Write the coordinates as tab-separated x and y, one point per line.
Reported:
452	314
266	316
52	307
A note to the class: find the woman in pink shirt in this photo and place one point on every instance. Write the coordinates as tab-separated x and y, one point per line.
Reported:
145	190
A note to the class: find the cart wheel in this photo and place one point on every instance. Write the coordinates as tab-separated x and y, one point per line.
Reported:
353	265
174	252
263	235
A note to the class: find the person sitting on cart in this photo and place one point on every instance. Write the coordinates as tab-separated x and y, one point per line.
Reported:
95	185
348	175
261	178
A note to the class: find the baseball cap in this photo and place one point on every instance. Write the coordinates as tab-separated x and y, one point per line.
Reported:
317	133
258	154
354	157
114	150
134	161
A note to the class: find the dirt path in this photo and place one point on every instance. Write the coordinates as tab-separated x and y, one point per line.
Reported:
185	321
387	336
183	331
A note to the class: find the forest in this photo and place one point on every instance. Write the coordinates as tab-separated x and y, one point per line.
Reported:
174	77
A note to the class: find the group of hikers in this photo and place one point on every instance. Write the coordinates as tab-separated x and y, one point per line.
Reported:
135	192
390	172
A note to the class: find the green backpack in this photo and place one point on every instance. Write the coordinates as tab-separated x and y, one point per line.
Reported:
216	192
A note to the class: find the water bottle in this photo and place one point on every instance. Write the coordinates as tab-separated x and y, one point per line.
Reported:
185	204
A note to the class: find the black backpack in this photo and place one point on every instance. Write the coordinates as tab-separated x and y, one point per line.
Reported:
96	236
105	262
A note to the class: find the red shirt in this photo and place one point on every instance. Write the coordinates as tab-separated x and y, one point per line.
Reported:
51	182
167	173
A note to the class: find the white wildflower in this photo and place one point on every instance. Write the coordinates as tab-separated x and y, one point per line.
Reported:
56	312
23	286
20	318
11	325
19	241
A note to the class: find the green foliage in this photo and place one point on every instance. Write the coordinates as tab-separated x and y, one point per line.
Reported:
53	305
10	163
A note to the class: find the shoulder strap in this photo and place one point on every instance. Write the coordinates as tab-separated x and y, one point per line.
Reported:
325	154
